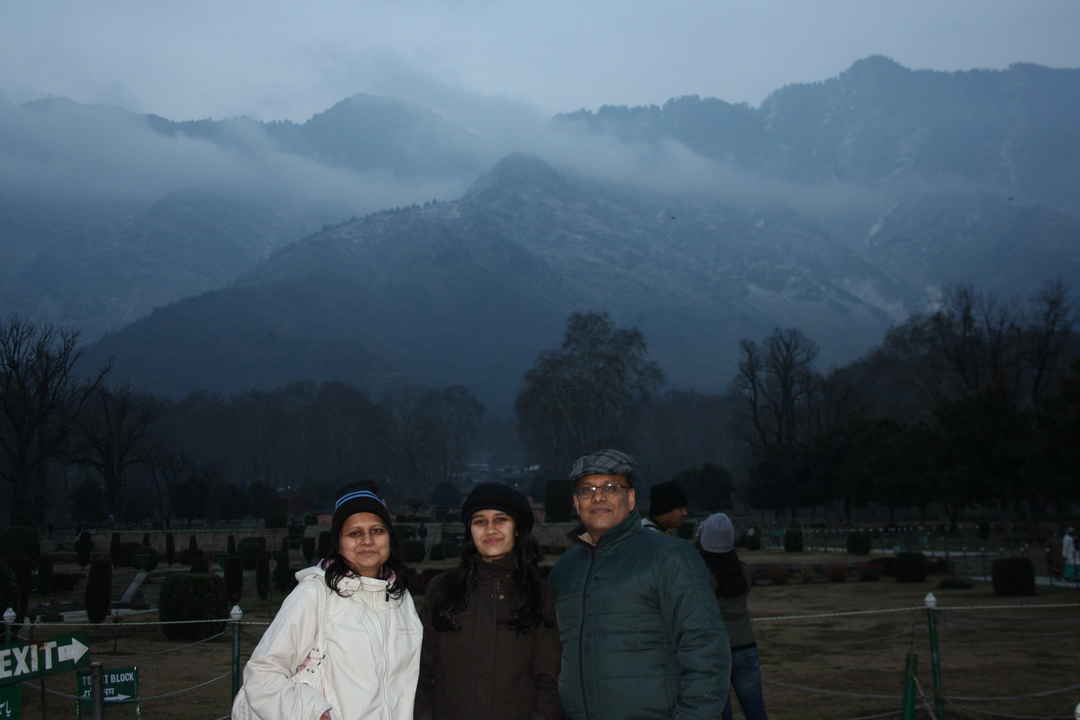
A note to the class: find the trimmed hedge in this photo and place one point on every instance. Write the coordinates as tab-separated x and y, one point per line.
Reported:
192	596
234	577
322	547
284	578
44	575
858	543
20	540
308	549
83	546
99	591
262	575
170	549
1013	576
793	540
910	567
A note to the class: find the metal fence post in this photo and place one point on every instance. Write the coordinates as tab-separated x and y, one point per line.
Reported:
97	691
235	615
910	670
9	621
935	655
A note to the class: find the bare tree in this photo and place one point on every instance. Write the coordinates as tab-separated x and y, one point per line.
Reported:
114	435
40	396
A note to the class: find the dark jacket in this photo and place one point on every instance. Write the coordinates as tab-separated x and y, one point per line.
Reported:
642	636
487	669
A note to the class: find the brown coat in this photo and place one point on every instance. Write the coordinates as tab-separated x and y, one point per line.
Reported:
487	669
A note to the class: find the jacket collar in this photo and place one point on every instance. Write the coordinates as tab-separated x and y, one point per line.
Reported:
629	527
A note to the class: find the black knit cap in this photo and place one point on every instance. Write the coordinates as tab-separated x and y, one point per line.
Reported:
496	496
357	499
665	497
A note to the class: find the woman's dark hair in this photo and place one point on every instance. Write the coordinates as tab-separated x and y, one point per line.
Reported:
727	573
462	581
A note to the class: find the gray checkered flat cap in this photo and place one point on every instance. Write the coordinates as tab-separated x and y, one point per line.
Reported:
602	462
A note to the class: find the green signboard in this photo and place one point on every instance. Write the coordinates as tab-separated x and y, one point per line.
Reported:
118	685
10	702
23	662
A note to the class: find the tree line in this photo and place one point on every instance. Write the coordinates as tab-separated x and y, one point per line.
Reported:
976	403
67	437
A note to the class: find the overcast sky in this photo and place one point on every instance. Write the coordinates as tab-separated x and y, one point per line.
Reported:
273	60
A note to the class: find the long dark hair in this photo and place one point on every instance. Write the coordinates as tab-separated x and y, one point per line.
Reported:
394	569
727	572
462	581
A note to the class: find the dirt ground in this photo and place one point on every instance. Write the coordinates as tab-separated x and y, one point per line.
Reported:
814	668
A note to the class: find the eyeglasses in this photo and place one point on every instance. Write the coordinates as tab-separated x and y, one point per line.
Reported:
586	492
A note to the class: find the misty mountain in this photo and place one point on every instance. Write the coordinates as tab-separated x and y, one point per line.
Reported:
878	124
106	214
469	291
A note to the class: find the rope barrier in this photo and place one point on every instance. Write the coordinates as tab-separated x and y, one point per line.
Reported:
978	711
175	649
836	614
844	693
174	693
56	693
1007	698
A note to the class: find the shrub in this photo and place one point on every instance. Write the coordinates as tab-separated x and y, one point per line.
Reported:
910	567
323	546
19	540
44	575
869	571
284	579
146	539
99	591
192	596
793	540
249	549
193	544
1013	576
230	546
234	577
858	543
83	546
262	575
308	549
837	573
170	549
114	549
956	582
413	551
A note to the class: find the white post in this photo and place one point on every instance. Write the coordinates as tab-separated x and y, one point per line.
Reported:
9	620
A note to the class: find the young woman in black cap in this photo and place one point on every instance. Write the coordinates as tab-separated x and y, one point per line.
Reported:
346	642
491	649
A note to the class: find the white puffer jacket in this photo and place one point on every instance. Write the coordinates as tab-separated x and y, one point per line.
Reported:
372	647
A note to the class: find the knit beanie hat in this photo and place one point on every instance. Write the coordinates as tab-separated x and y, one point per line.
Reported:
357	499
496	496
717	534
665	497
603	462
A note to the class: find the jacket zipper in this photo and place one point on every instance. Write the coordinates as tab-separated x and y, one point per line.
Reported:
581	633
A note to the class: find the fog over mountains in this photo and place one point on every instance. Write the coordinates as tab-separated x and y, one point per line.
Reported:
193	250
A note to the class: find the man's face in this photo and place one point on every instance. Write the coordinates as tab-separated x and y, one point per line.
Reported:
603	501
672	518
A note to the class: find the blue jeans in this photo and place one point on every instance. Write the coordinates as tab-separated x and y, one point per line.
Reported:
746	683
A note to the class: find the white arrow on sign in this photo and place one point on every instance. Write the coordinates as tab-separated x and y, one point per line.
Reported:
72	652
117	698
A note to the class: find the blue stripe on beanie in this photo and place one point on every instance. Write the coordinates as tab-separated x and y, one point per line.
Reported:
356	494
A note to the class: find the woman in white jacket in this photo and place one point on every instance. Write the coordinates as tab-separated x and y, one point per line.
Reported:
345	644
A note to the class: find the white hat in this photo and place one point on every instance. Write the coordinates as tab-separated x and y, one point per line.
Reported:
717	534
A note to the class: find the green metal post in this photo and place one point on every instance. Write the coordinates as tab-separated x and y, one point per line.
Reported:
236	614
935	655
910	693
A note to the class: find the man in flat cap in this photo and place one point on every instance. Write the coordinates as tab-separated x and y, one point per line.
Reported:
642	635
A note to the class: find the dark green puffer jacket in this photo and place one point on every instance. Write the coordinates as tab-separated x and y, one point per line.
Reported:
642	635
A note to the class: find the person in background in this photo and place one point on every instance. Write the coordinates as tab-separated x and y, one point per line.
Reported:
642	636
667	507
491	648
732	584
357	601
1070	556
